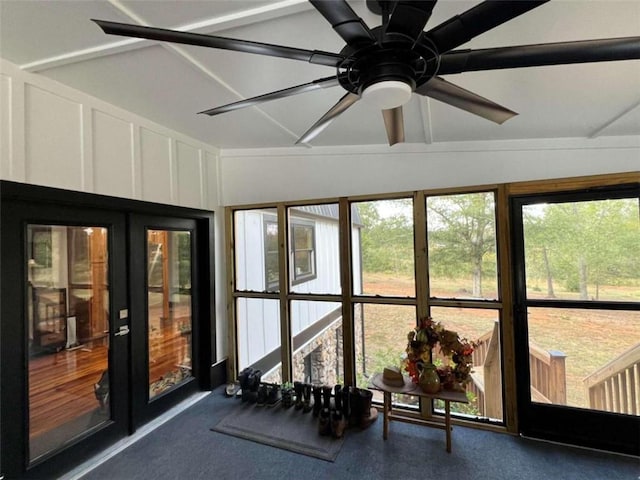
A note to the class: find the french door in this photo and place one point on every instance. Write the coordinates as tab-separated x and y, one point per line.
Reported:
164	274
577	314
65	351
106	321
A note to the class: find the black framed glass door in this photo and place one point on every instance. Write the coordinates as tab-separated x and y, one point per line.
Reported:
163	265
64	311
577	314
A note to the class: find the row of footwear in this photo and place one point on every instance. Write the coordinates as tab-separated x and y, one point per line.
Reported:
337	408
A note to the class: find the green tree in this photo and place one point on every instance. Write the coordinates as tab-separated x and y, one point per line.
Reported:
387	241
462	236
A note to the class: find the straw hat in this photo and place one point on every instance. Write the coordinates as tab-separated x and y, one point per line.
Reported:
407	386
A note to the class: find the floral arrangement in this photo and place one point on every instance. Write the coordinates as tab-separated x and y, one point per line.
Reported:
424	338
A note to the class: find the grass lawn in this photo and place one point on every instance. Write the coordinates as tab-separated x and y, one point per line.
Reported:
589	338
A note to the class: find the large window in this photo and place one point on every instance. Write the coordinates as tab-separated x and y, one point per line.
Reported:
441	254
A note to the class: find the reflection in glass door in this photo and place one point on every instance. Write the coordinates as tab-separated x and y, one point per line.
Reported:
68	333
168	309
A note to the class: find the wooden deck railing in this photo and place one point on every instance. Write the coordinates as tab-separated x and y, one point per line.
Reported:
548	375
615	386
548	382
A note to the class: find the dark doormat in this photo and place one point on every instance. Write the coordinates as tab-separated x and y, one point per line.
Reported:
278	427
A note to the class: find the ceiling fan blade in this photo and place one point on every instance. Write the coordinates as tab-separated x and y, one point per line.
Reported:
267	97
447	92
479	19
344	21
345	102
394	124
562	53
410	18
187	38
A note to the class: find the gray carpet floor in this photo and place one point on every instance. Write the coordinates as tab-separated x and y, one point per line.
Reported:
186	448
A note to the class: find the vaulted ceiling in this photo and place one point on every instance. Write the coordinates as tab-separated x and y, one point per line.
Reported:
169	84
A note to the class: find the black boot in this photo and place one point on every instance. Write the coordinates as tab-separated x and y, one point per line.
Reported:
354	406
297	386
326	397
368	414
317	399
243	378
337	397
261	398
345	403
273	394
306	393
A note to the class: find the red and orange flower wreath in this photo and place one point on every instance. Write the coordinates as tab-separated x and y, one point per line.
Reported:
424	338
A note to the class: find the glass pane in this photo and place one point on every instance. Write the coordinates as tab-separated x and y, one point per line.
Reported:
583	250
258	333
317	342
68	333
585	358
383	248
462	246
381	340
256	250
481	327
168	309
314	249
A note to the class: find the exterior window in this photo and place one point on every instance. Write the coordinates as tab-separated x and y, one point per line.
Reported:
303	246
271	253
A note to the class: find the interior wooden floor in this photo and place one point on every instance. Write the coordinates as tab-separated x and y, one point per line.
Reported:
61	385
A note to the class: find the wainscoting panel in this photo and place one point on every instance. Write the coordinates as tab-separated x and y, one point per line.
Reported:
190	184
155	153
53	139
112	156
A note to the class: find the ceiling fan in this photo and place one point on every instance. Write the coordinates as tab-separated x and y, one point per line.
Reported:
387	64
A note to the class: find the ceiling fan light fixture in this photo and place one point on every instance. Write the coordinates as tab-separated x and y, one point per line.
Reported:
387	94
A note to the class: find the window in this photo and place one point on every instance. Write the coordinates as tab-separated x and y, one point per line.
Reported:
271	253
303	234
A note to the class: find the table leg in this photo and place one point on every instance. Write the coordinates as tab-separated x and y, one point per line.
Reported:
386	411
447	424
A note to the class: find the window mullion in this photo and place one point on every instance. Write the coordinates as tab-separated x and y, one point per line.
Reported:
285	313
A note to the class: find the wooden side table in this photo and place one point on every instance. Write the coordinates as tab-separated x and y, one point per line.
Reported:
409	388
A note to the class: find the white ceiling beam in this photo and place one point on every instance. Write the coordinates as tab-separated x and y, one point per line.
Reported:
211	25
199	66
595	133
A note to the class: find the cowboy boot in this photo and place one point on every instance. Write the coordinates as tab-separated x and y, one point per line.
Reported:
317	400
368	414
297	386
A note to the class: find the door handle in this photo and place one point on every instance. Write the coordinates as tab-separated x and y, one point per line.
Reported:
123	330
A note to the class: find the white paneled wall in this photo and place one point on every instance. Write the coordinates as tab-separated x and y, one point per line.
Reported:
55	136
